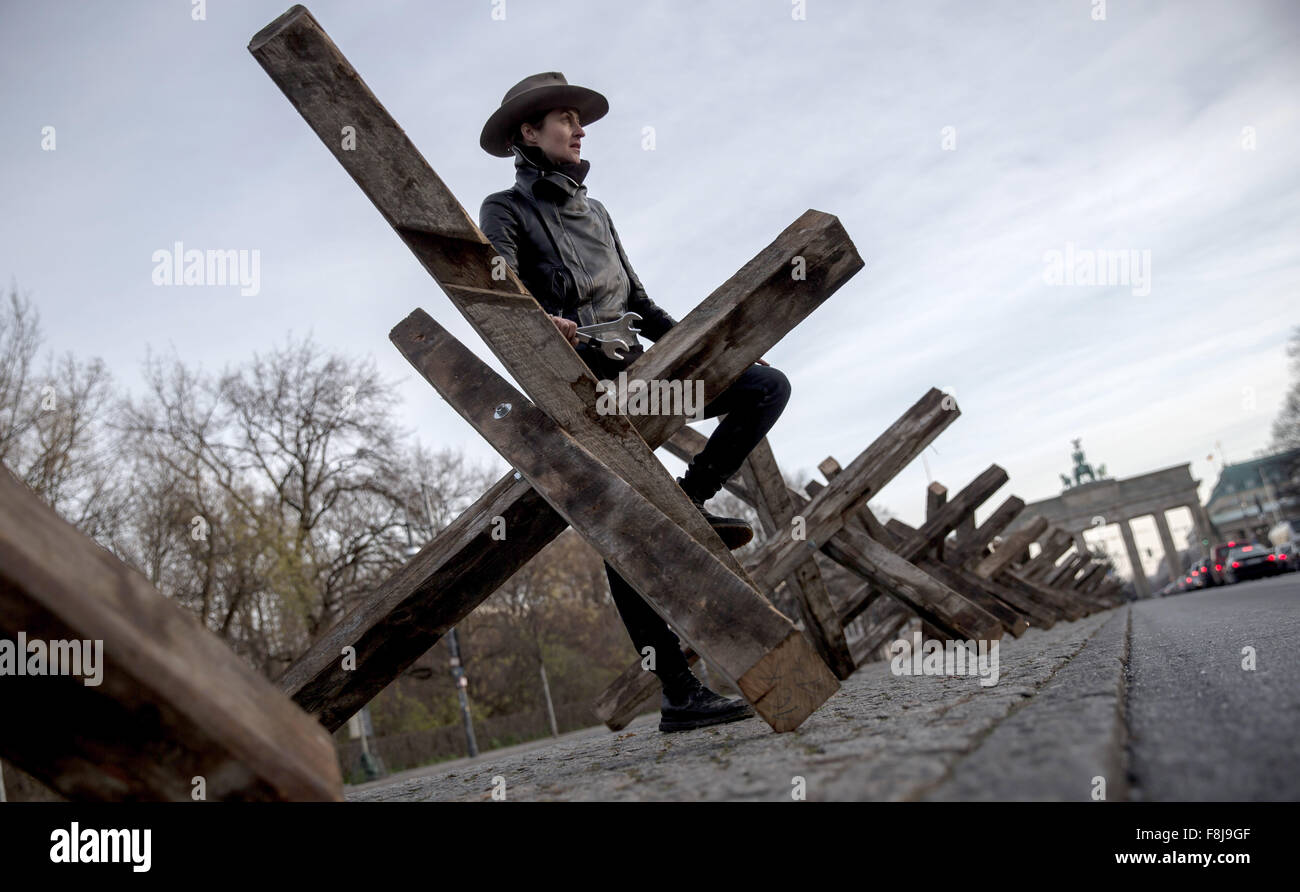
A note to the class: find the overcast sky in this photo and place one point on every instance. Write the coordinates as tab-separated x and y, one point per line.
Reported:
1166	129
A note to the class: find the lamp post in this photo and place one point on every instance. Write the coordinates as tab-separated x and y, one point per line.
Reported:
453	642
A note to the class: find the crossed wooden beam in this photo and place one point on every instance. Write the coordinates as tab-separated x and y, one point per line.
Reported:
576	466
175	714
956	587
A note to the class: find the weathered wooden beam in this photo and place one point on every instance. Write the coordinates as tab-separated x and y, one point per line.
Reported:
829	467
714	609
872	469
972	546
1063	574
936	494
912	546
1044	616
1056	543
936	603
1087	582
933	601
1011	548
964	529
171	702
882	621
1063	602
971	588
763	477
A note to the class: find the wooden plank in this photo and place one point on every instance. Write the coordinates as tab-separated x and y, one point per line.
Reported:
936	494
972	546
1011	548
823	623
964	529
1011	620
883	620
1088	581
907	540
716	611
872	469
1057	543
829	467
1062	575
1044	616
172	701
1067	604
930	599
911	545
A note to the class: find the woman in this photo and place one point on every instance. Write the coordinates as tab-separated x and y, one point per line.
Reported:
563	246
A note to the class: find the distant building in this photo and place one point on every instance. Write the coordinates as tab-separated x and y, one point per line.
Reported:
1252	496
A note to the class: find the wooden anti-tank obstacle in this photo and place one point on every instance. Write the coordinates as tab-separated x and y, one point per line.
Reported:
757	647
172	704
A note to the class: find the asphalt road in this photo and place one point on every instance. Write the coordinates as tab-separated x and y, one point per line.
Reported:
1200	726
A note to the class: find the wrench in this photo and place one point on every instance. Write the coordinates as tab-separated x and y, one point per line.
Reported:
612	336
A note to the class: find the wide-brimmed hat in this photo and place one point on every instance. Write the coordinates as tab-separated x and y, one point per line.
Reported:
538	93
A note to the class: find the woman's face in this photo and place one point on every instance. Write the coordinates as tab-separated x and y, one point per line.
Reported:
560	137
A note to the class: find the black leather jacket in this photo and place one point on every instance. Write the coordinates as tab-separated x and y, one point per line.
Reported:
523	225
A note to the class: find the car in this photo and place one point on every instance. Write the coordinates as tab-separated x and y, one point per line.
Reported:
1197	576
1251	561
1217	560
1288	553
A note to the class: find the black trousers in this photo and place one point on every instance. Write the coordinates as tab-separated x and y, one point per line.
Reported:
752	404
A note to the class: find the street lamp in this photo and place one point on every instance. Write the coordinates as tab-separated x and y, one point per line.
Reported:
453	642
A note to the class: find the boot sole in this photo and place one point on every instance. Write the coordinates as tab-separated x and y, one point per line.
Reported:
733	536
721	719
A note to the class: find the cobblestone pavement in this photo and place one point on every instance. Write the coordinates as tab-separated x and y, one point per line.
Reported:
1050	725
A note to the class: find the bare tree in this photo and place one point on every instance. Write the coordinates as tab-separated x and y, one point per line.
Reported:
1286	427
54	432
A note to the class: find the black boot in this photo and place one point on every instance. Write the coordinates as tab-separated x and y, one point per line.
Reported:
701	484
687	704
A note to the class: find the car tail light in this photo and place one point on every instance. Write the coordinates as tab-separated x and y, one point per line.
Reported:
1248	548
1272	557
1281	557
1218	567
1189	579
1235	565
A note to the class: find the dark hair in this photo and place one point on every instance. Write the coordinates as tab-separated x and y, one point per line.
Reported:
519	133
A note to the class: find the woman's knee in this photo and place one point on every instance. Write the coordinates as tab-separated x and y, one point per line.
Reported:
778	385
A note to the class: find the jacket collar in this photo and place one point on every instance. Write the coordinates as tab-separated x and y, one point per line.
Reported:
535	172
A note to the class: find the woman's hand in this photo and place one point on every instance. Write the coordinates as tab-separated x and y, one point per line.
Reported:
568	328
762	362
